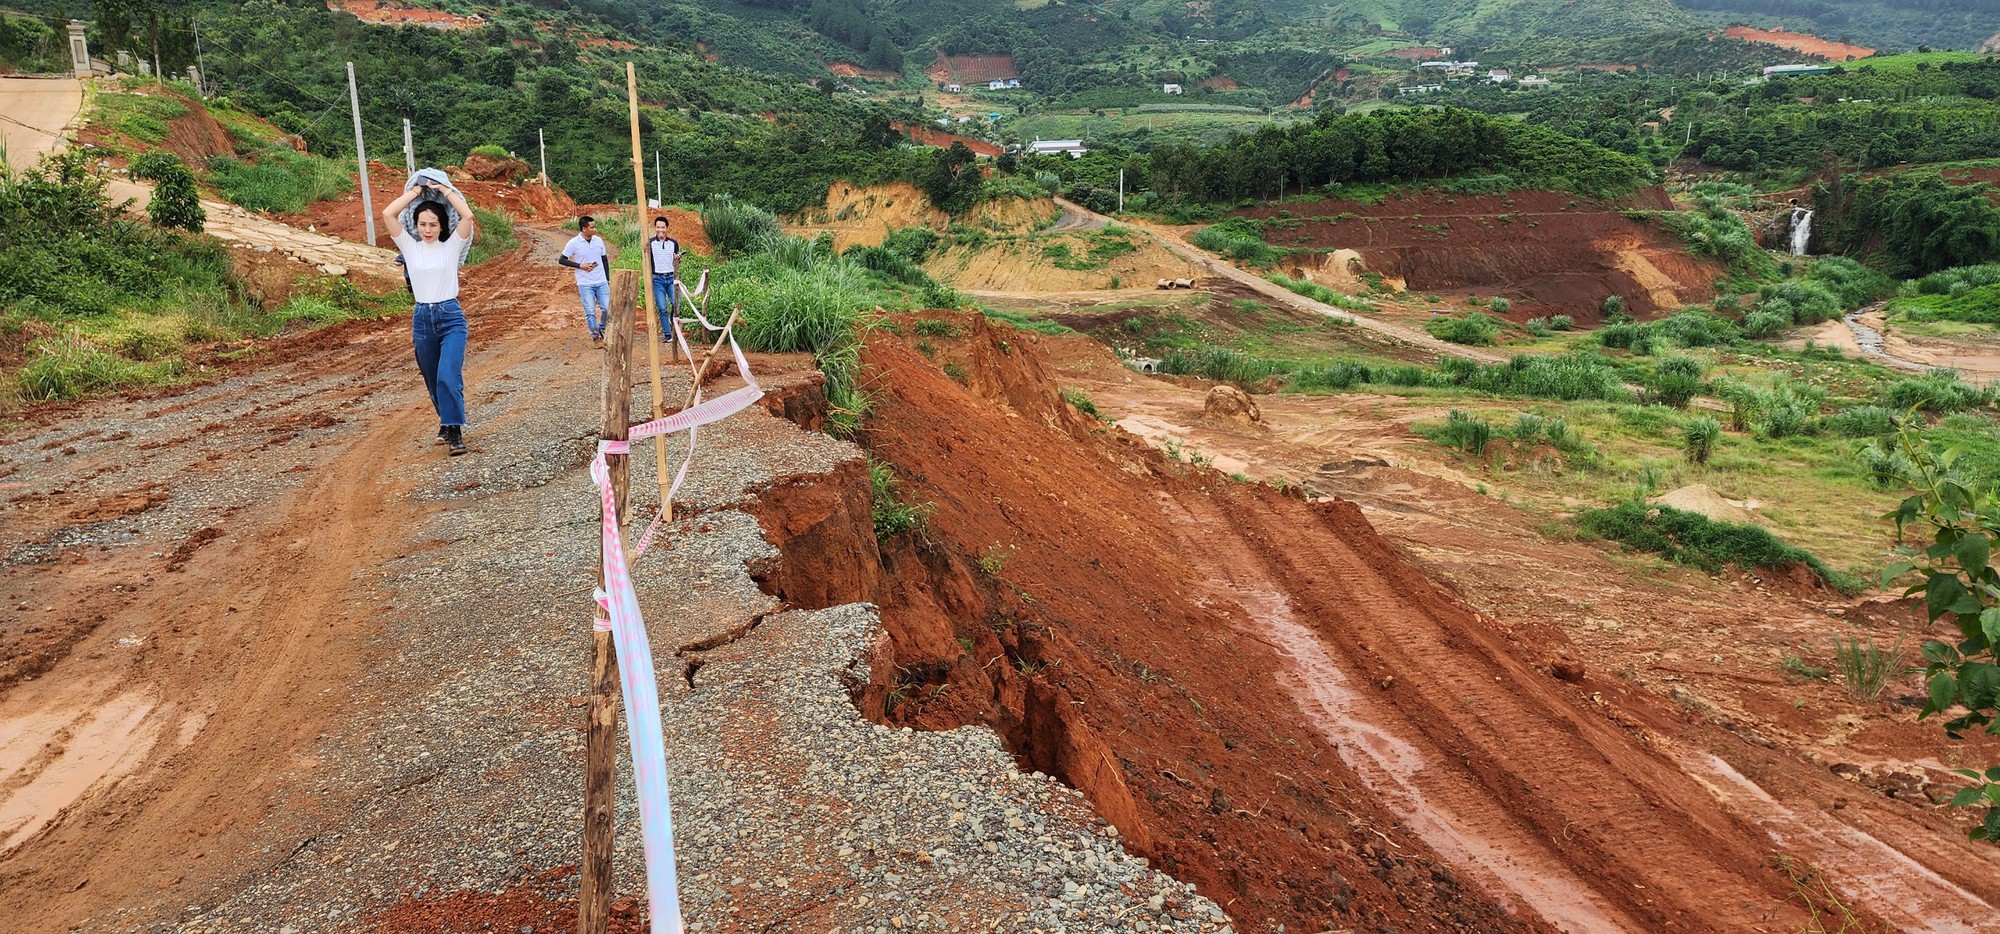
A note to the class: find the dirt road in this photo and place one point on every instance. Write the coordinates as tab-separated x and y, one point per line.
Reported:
34	113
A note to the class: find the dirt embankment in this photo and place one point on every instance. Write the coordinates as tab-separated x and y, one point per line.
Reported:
1549	252
194	136
1058	262
867	214
342	217
1262	696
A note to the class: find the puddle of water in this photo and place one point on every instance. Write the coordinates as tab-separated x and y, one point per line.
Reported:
1902	890
49	761
1391	767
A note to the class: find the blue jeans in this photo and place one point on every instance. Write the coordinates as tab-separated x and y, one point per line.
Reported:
596	305
664	303
438	332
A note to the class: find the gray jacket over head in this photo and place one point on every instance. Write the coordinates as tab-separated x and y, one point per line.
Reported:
409	216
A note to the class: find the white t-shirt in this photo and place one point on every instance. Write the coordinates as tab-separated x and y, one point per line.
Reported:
433	266
664	252
580	251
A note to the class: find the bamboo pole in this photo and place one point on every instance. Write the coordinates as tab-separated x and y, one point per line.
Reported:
646	264
601	745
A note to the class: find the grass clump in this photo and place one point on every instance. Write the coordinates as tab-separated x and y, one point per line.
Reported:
68	366
1697	541
1322	294
1675	382
1476	329
1939	391
1864	667
736	227
280	180
1222	365
1698	437
1463	431
893	514
1237	239
494	237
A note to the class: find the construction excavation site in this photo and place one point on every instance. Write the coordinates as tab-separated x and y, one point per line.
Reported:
273	663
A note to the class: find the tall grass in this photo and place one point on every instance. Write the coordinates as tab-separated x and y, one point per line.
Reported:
1222	365
1698	541
1322	294
68	366
494	235
1238	240
1939	391
1464	431
1475	329
1864	667
280	180
736	227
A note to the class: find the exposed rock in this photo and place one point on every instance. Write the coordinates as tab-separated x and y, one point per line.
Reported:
1228	403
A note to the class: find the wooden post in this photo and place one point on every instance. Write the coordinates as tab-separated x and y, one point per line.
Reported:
646	265
601	744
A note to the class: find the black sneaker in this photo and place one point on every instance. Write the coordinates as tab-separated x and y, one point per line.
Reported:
441	433
454	438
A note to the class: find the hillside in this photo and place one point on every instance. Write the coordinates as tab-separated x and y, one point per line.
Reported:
1889	24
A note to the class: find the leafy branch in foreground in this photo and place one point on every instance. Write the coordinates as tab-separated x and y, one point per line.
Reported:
1962	516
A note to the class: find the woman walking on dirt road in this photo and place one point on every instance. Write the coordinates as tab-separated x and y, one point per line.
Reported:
437	326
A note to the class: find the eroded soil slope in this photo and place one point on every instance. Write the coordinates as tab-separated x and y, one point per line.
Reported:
1550	252
1264	696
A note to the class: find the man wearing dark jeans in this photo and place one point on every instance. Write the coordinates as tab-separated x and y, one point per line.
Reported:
662	251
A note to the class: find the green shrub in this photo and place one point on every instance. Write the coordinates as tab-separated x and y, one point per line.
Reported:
911	243
1222	365
281	180
1698	541
1614	305
490	151
788	310
1675	382
1475	329
1762	323
175	203
1570	377
1698	437
69	367
1323	377
1561	323
1500	306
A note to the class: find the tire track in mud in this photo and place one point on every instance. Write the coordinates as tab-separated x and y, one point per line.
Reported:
1481	782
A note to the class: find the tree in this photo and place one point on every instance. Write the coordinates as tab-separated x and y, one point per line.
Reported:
175	202
1960	582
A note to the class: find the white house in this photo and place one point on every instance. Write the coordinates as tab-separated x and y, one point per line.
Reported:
1420	89
1074	148
1003	84
1170	89
954	88
1499	76
1534	81
1787	71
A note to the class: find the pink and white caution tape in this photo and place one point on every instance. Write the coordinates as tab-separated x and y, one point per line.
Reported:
620	603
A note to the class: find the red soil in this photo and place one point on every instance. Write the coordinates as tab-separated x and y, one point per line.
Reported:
969	70
194	136
1606	66
1417	53
1801	42
1219	83
1556	253
1222	667
389	12
928	136
342	216
851	70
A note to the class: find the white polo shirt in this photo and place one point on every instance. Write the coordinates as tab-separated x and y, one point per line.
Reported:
581	251
433	266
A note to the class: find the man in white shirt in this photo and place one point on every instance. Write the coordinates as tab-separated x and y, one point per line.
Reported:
590	256
662	251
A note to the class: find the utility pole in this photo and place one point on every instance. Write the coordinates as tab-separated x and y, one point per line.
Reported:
1121	191
361	155
409	156
543	145
200	66
658	198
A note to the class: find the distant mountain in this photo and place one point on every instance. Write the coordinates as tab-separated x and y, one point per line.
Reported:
1883	24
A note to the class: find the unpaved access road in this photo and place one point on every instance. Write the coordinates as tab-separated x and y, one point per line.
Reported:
274	662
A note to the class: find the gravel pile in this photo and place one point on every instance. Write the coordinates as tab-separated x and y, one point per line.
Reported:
461	766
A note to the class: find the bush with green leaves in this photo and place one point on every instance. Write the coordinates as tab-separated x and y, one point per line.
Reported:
911	243
489	151
1780	410
175	203
1614	305
1475	329
1561	323
1698	437
1955	525
1697	541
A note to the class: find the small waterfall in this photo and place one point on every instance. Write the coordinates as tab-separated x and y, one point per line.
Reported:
1801	230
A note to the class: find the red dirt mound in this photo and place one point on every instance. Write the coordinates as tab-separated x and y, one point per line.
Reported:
1259	694
926	136
1547	251
1801	42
